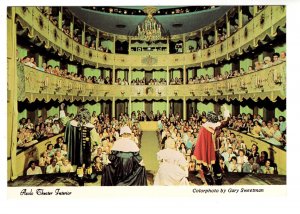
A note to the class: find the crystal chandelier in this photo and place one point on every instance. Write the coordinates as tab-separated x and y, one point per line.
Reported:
150	29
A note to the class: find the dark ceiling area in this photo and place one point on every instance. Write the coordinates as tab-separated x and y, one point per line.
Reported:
127	24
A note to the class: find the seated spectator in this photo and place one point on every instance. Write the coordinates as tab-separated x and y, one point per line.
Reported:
258	66
58	157
29	124
228	155
64	151
251	166
282	124
276	59
256	129
50	150
250	69
97	165
222	164
276	138
59	143
267	169
49	130
242	159
65	167
233	166
254	152
267	62
263	158
56	127
33	169
283	56
53	167
44	159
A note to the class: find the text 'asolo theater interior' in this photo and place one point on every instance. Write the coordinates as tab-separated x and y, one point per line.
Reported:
154	95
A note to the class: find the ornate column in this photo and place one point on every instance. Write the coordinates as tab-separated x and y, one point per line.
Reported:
201	39
72	27
168	76
168	106
240	16
114	44
184	44
255	10
129	75
12	98
216	33
114	74
184	75
60	17
129	107
97	39
83	35
227	26
114	107
168	46
184	108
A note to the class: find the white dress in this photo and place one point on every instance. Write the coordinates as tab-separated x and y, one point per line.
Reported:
173	169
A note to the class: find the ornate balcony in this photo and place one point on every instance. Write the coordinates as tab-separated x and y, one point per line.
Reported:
264	24
36	85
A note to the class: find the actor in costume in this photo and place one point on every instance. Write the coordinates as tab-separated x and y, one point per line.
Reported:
80	134
173	168
125	166
205	146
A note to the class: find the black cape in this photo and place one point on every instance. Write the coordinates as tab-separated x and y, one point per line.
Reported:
79	145
124	170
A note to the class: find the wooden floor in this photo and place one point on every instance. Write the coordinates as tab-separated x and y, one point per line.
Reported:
70	180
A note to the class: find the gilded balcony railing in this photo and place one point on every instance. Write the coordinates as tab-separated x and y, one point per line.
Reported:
264	23
269	82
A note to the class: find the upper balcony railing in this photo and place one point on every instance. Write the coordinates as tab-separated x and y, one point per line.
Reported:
264	23
269	82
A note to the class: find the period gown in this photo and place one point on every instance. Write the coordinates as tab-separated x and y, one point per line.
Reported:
125	167
173	168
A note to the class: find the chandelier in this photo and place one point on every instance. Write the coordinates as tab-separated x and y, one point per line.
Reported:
150	29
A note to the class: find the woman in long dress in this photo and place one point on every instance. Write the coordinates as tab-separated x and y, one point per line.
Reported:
173	168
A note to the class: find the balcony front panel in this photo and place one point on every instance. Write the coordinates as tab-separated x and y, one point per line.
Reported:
267	83
251	33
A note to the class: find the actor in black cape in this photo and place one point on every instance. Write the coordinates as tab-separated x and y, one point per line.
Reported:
80	134
126	166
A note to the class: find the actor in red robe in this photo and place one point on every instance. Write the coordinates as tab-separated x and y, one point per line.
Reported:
205	146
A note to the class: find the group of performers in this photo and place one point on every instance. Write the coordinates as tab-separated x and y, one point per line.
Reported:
126	167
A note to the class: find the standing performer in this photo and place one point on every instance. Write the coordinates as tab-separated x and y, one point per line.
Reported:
80	134
173	167
205	146
125	166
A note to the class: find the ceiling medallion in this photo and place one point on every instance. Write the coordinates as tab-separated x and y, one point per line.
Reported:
150	29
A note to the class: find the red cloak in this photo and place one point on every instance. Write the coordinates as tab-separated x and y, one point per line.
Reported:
205	148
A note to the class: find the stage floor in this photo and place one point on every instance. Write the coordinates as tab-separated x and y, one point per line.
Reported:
69	180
